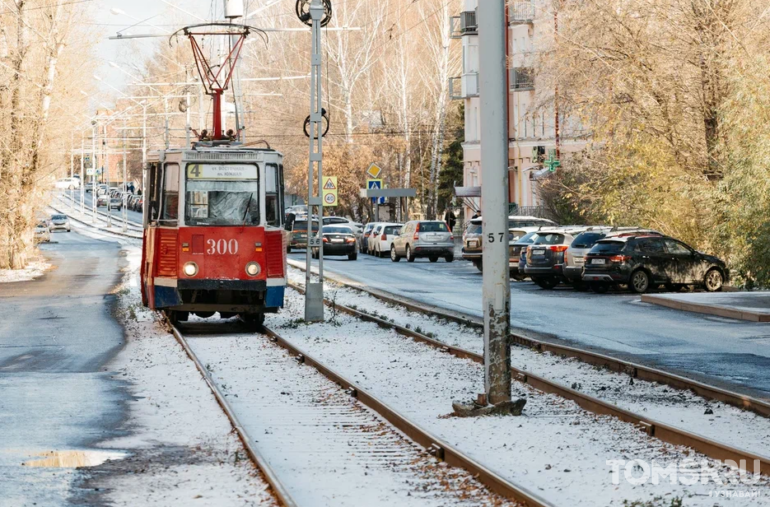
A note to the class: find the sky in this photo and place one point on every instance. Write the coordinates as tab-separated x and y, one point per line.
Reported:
137	12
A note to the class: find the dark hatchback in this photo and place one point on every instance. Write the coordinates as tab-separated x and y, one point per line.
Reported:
338	240
517	253
298	236
643	262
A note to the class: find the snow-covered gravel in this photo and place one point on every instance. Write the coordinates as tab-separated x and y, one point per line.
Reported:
682	409
182	450
555	448
326	447
34	269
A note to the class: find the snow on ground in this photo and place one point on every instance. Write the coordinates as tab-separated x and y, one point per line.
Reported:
34	269
681	409
182	447
555	449
326	447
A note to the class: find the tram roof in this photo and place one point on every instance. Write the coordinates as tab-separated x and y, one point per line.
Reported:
199	151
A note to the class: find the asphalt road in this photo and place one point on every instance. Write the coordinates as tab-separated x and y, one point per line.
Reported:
730	353
133	216
56	333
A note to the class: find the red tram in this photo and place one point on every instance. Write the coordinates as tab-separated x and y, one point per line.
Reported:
213	232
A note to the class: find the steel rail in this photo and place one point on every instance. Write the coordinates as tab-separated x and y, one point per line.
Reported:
664	432
279	491
100	229
433	445
117	218
634	370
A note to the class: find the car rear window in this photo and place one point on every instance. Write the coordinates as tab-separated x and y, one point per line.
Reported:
302	225
337	230
433	227
393	229
59	217
516	235
473	229
549	238
587	239
608	247
527	239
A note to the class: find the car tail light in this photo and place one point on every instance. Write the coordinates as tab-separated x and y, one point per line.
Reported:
451	236
620	258
559	248
417	232
326	240
350	240
384	237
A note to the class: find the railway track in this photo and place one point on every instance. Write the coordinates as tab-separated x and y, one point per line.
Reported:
134	226
664	432
634	370
339	418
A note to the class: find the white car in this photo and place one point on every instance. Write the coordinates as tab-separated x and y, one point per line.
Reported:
42	233
60	222
68	183
382	237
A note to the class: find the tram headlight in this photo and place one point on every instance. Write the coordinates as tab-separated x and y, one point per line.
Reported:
253	269
190	269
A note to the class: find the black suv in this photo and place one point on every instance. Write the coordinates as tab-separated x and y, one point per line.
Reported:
643	262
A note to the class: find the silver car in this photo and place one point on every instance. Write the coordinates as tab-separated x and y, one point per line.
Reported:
423	238
60	222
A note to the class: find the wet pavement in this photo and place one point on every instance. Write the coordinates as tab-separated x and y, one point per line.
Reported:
725	352
56	334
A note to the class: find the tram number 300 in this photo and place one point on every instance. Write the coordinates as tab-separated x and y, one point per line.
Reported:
222	247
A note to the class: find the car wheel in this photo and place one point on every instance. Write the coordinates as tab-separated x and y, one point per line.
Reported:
393	255
433	259
288	249
450	258
713	281
353	256
478	265
640	281
409	256
600	288
253	321
547	283
518	277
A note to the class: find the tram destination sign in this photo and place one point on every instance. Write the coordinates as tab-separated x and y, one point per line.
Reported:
221	172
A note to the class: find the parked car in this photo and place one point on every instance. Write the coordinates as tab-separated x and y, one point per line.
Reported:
473	240
645	261
517	254
68	183
338	240
102	200
545	256
472	243
60	222
423	238
116	203
102	189
381	238
42	233
356	227
298	236
365	236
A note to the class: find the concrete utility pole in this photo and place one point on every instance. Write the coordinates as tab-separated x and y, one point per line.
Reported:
82	174
494	205
93	167
124	209
314	305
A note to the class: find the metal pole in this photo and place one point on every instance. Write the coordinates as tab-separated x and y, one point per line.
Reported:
144	150
494	191
314	308
106	168
94	197
82	173
72	167
125	182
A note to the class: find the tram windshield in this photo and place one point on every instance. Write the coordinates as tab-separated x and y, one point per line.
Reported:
222	195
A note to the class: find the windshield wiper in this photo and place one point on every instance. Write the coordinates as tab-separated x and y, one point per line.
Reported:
248	207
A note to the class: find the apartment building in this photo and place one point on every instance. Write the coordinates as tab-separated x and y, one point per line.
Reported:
533	145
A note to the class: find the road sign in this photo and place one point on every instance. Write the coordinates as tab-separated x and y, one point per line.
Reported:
374	171
90	171
375	185
330	190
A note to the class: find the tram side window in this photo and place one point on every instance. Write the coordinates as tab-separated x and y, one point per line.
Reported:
153	192
273	184
171	193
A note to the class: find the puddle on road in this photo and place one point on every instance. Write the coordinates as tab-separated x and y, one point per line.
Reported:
73	459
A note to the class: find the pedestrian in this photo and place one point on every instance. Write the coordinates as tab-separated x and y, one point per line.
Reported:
475	215
450	219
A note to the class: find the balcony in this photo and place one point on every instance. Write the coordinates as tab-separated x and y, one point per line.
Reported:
464	24
464	87
521	13
522	79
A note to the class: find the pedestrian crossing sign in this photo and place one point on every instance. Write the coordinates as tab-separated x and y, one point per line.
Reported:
330	189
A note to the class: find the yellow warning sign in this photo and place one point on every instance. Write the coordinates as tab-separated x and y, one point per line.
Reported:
330	191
